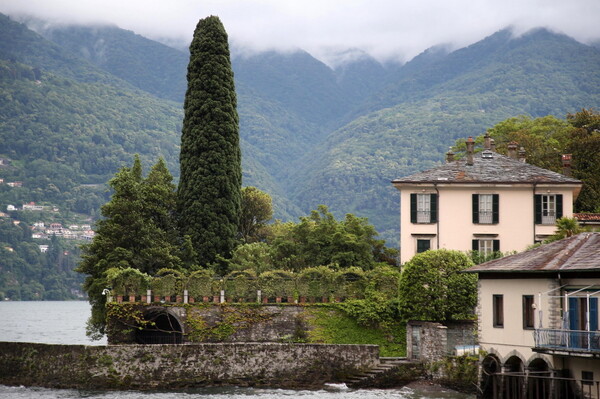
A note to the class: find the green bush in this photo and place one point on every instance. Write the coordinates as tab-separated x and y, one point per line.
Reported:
277	283
241	285
315	282
349	283
200	284
167	282
127	281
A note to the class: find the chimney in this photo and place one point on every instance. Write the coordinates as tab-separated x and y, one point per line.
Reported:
493	145
449	155
522	155
566	164
512	150
470	146
487	145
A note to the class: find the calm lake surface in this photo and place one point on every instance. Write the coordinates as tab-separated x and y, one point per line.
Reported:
64	323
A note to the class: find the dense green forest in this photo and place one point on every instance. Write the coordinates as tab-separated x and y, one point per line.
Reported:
27	274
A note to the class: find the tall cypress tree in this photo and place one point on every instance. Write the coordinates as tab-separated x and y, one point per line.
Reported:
209	192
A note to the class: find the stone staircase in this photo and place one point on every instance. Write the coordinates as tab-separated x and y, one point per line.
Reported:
386	366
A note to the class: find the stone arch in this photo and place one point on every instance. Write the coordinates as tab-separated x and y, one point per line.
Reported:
491	367
538	378
162	327
513	373
511	359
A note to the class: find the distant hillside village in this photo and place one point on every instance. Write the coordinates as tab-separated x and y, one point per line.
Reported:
44	231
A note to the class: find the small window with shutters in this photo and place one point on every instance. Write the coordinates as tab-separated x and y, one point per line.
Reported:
548	208
486	247
486	208
423	245
423	208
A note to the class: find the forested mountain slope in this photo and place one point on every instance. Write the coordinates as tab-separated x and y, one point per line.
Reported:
310	134
418	117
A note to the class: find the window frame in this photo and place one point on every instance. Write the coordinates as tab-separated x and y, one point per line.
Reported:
492	243
423	240
548	208
498	310
528	312
423	208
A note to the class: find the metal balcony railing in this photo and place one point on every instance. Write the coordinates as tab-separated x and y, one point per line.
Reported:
423	216
567	340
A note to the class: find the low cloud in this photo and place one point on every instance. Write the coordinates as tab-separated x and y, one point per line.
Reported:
386	29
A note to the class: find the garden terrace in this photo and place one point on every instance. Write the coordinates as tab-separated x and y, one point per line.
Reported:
312	285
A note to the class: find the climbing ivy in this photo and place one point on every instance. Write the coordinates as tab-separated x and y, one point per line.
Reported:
201	284
277	283
240	285
127	281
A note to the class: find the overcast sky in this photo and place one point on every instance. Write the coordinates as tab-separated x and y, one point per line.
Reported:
386	29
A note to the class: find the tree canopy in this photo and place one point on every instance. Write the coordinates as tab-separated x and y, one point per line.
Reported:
431	287
257	210
137	232
209	192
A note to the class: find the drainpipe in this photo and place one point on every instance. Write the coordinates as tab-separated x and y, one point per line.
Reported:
437	223
534	186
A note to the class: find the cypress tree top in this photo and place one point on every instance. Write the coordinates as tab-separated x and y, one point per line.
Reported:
209	193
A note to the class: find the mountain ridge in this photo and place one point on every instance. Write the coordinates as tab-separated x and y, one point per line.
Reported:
314	134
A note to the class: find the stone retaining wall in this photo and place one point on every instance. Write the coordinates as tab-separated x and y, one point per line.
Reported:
181	366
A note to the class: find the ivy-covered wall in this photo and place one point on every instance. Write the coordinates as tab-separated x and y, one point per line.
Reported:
211	322
181	366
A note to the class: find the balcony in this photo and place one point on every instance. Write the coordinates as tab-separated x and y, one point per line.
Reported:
567	342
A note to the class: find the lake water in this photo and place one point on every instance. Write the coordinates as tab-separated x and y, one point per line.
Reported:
64	323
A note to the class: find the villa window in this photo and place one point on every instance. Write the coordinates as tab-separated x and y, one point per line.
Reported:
486	246
528	312
485	208
423	245
423	208
498	310
548	208
587	377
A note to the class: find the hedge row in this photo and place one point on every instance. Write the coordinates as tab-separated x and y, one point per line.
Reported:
315	282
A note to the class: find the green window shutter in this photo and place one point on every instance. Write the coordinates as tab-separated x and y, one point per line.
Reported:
433	211
495	208
413	208
537	201
559	206
475	245
496	245
475	208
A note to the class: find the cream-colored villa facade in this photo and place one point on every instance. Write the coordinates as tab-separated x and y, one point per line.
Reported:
486	202
538	321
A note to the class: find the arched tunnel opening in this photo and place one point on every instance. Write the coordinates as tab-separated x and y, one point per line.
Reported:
161	327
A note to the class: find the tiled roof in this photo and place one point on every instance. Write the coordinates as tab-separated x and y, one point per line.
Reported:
587	217
489	168
578	253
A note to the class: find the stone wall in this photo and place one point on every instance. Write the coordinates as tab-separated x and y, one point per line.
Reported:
181	366
211	322
429	341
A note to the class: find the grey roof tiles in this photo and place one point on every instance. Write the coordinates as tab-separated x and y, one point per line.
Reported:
577	253
497	169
